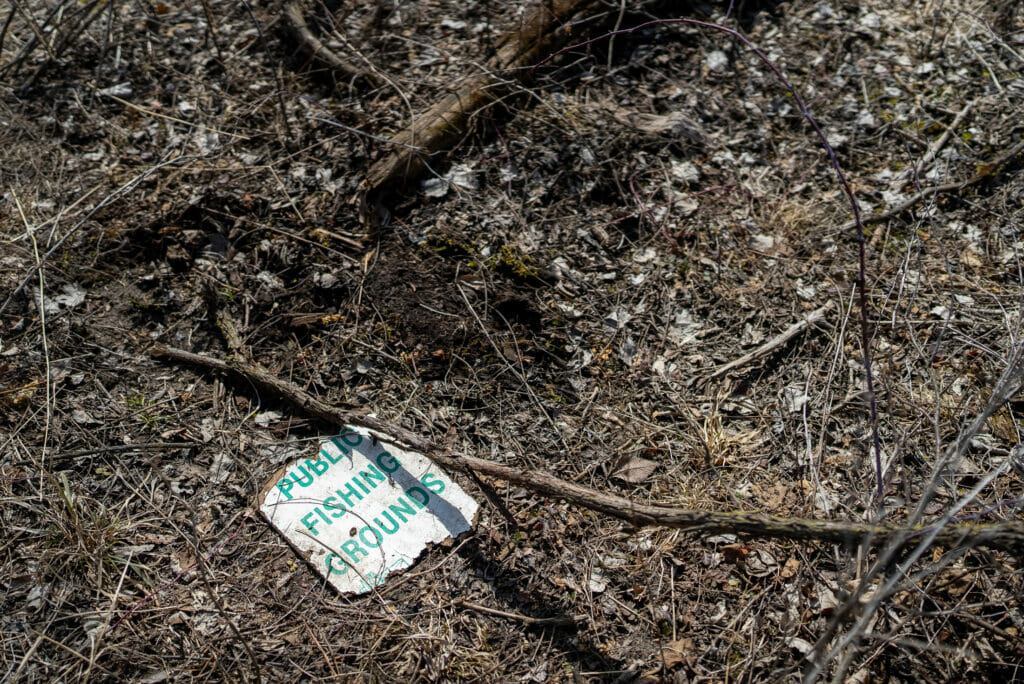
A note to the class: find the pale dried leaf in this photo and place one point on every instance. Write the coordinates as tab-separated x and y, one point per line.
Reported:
677	651
635	470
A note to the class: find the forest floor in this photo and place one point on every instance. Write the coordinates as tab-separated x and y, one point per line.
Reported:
556	292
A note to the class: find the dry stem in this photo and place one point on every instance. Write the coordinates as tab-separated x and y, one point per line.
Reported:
1002	535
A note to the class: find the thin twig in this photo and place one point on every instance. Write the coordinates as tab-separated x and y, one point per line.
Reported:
277	72
536	622
58	458
80	22
117	194
1009	384
857	224
774	343
1000	535
986	171
150	112
444	123
216	549
915	170
42	326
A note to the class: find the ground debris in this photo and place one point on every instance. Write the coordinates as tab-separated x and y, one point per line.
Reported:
632	271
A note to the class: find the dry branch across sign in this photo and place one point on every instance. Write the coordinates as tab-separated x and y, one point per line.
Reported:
362	508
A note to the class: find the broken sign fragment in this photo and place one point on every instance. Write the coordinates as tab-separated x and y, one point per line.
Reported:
361	509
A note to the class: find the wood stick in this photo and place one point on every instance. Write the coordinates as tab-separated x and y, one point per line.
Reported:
536	622
913	172
984	171
774	343
998	535
321	52
543	31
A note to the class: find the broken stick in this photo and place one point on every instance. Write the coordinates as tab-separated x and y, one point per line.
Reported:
774	343
321	52
998	535
545	30
984	171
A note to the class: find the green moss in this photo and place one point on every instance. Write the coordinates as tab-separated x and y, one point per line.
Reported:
449	246
512	260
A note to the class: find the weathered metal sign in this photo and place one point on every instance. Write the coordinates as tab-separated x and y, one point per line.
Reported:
361	508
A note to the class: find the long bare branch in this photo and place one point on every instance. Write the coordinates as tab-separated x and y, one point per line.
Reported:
1001	535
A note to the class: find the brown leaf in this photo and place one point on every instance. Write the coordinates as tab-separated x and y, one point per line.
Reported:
790	568
678	651
734	553
635	470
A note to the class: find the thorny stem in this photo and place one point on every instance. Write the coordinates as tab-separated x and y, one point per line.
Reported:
861	282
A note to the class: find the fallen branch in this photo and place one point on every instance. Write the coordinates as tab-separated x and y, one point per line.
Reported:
915	170
774	343
984	171
444	123
321	52
1001	535
535	622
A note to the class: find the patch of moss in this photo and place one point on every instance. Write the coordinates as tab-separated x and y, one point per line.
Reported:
449	246
511	260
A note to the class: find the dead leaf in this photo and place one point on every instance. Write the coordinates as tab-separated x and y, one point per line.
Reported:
827	601
790	568
675	124
735	553
760	563
635	470
182	560
969	258
598	581
678	651
802	645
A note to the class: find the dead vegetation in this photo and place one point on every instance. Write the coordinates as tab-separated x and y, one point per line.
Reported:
632	270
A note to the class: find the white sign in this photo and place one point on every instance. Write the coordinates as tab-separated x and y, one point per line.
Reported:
361	509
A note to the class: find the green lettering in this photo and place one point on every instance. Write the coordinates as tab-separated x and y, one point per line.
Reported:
318	467
402	508
348	436
387	462
322	516
303	483
327	455
285	486
339	568
376	535
353	550
418	492
371	475
394	523
332	505
432	483
352	494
